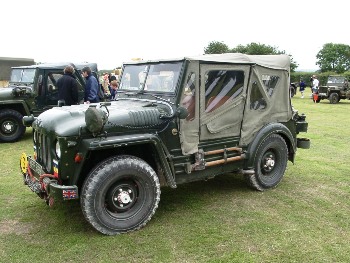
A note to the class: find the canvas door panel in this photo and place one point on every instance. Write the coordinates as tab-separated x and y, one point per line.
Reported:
222	100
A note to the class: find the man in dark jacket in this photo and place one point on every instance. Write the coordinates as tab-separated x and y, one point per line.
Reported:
68	87
91	87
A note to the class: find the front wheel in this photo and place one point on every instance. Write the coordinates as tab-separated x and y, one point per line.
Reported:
120	195
334	98
270	163
11	126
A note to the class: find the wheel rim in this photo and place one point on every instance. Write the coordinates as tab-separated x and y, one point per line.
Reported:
121	197
8	127
268	163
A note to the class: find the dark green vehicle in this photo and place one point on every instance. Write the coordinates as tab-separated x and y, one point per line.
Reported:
174	121
32	90
337	88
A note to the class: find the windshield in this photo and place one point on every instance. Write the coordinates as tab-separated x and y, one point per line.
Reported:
161	77
335	79
22	75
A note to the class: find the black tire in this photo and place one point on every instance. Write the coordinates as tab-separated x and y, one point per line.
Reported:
270	163
334	98
120	195
292	91
11	126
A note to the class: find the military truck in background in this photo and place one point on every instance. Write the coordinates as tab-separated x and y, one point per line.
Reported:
174	121
32	90
293	87
337	88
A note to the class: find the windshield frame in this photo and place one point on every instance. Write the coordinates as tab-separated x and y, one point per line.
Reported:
22	75
159	77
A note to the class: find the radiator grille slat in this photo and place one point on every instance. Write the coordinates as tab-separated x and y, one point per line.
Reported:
43	152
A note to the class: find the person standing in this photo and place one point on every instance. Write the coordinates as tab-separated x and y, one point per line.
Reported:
302	86
113	86
91	86
68	87
315	84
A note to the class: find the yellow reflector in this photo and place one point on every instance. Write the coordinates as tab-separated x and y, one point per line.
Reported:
23	163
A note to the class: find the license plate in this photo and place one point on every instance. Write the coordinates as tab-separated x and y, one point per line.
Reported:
37	168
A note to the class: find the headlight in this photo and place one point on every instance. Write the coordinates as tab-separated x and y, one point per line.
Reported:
58	150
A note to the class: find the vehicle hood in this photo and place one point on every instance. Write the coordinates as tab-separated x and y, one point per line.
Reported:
98	118
6	93
15	91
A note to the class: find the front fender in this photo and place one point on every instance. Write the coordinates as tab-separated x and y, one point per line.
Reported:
272	128
139	139
17	105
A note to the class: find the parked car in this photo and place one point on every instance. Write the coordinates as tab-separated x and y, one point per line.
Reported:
32	90
174	121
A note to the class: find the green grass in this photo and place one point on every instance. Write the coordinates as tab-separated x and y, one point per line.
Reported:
305	219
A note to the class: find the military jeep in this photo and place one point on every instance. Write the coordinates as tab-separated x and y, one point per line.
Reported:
293	87
337	88
32	90
174	121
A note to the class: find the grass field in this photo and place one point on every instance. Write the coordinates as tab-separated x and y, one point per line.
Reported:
305	219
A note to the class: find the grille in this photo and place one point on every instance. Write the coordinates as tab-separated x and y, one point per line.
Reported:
43	151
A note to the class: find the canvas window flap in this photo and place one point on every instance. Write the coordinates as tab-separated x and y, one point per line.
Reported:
267	101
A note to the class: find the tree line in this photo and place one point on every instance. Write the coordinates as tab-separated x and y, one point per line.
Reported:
333	58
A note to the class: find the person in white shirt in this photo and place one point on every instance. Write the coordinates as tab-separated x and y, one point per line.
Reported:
315	84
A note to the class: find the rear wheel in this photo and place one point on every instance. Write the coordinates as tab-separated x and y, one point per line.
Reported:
11	126
292	91
120	195
270	163
334	98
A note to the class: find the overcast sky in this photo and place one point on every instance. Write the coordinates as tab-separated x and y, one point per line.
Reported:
112	32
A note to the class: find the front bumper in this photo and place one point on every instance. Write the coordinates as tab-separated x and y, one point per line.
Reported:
322	96
46	186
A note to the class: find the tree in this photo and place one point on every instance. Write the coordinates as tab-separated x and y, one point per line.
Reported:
334	57
216	47
253	48
256	49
